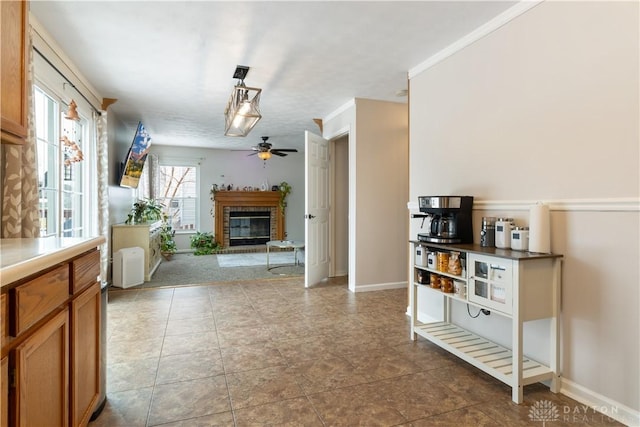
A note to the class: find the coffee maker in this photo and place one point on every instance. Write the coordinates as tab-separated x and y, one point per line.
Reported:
449	219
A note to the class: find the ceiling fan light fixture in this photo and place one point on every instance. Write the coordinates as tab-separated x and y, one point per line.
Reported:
243	109
264	155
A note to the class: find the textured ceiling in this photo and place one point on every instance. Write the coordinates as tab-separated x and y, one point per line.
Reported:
171	64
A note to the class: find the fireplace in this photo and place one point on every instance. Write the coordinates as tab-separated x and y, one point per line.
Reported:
239	210
249	228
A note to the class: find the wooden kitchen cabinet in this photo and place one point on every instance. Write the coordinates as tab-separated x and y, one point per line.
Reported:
13	71
4	387
85	354
42	377
51	354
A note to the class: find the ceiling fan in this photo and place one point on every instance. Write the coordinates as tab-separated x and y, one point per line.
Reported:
264	150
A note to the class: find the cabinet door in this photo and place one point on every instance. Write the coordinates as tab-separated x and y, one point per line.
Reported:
42	370
490	282
85	354
13	72
4	399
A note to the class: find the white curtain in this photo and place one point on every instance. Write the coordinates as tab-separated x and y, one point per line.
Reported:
103	188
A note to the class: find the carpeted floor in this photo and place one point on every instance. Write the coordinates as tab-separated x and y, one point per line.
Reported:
188	269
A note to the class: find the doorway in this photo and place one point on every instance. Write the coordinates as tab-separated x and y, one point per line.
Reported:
339	246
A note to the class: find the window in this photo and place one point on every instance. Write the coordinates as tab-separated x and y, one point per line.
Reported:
64	159
176	189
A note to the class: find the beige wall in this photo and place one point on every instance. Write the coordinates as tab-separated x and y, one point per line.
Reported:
341	206
378	181
546	109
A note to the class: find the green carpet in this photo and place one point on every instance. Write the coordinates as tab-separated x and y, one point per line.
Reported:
188	269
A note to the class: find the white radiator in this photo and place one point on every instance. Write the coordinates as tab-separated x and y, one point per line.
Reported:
128	267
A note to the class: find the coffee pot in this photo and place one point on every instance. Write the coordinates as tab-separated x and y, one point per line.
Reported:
444	227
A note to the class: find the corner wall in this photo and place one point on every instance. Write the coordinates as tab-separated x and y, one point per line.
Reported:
546	108
378	183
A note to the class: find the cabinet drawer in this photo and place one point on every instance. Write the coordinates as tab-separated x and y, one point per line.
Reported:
4	319
37	298
85	271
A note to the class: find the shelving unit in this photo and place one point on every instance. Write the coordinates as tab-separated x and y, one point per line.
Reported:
145	236
520	286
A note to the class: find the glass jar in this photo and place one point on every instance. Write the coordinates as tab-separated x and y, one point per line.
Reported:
434	281
455	266
443	261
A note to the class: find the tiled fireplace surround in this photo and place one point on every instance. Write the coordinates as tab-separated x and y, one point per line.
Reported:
246	201
273	220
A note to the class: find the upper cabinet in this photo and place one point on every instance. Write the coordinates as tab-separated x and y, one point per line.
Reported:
13	70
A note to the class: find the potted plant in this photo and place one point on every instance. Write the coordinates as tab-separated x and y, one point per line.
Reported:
204	243
285	189
143	211
167	244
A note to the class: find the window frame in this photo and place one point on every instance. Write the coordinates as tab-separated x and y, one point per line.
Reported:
48	81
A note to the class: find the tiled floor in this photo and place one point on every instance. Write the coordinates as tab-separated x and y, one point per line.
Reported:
272	353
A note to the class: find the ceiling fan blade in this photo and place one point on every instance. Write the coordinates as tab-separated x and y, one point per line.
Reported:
285	150
252	154
278	153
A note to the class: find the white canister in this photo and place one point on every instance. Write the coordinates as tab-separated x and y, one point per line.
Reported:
460	288
503	232
431	260
421	256
520	238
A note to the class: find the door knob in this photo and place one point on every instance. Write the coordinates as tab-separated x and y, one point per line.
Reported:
309	216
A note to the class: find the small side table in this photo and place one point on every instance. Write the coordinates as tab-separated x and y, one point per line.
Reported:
285	244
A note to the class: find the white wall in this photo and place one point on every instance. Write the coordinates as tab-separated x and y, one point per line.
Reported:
378	182
546	108
238	169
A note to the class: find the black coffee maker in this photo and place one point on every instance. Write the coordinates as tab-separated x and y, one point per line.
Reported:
450	219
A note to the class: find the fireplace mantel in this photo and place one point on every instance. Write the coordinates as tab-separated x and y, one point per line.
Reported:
246	199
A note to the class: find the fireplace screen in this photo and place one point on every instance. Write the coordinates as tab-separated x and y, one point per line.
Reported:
249	228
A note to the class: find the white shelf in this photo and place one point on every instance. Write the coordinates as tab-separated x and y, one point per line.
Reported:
446	294
530	287
486	355
442	273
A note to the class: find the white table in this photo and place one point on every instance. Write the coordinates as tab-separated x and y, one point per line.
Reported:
284	244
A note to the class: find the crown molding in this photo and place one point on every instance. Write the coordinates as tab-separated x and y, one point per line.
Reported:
480	32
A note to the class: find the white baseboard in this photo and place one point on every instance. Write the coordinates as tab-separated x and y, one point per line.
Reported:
591	400
600	403
379	286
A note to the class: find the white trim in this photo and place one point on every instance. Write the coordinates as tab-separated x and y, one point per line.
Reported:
620	204
480	32
339	133
590	399
379	287
46	44
339	110
600	403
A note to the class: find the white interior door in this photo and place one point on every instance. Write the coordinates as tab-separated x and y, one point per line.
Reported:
316	208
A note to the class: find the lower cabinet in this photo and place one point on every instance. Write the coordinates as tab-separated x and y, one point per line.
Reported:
42	377
4	400
145	236
51	354
85	354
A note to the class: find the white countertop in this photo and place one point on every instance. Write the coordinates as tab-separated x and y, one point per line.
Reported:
20	258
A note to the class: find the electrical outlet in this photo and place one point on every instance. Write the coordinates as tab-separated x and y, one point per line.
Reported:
485	311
